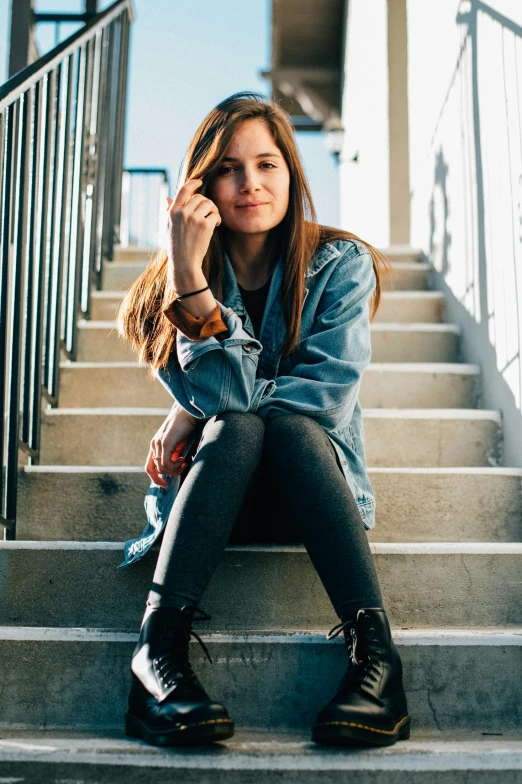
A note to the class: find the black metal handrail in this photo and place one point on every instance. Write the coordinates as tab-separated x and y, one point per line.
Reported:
142	209
61	149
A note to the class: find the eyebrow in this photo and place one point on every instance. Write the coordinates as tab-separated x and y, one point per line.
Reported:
261	155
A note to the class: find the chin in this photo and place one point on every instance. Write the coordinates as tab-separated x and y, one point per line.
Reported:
252	226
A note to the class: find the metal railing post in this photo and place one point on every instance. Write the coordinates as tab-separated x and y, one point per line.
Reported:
61	145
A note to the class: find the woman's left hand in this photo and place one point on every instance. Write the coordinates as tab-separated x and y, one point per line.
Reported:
165	447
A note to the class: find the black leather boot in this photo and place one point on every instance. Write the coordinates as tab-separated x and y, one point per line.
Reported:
167	703
370	703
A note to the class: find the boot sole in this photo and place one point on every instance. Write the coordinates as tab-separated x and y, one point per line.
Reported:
207	731
341	732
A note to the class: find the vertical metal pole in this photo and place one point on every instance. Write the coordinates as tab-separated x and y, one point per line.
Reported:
76	216
89	275
41	245
61	225
67	227
85	249
20	36
100	142
109	127
54	109
7	128
15	320
31	215
117	168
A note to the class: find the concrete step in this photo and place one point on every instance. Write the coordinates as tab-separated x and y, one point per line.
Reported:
92	503
79	678
402	306
132	253
264	757
432	437
397	252
395	342
397	437
98	341
104	304
411	306
102	384
120	275
437	585
383	385
406	276
420	385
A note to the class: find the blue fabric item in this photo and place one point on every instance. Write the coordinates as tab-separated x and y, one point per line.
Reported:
321	379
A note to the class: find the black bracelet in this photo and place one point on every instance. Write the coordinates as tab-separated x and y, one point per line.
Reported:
181	296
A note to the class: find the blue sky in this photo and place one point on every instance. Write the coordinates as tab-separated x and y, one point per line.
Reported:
185	57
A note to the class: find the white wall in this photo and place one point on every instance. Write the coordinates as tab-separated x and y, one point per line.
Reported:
364	185
465	115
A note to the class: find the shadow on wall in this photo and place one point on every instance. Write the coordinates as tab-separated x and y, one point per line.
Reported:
477	191
440	236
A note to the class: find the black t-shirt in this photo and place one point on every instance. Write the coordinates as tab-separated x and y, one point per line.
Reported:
255	302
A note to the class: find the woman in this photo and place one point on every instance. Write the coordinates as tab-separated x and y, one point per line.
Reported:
256	320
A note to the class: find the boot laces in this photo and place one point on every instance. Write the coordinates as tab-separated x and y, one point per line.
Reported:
361	656
169	670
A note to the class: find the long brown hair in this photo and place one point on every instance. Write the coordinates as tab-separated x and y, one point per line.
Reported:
140	317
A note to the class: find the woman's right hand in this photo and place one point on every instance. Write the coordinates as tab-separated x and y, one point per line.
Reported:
166	445
192	219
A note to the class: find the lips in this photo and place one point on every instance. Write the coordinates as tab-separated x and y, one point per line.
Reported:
251	206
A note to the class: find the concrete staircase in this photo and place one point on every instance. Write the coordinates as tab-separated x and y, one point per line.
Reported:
447	547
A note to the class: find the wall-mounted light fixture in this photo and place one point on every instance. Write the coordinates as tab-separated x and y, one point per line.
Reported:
335	141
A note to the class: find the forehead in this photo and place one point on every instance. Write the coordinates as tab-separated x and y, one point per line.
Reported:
251	138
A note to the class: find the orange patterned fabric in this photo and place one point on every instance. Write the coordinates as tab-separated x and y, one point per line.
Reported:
197	327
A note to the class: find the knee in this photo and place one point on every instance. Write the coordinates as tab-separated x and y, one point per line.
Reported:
242	424
289	428
236	435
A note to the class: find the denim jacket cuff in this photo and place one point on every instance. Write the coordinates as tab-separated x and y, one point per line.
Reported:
189	350
262	390
196	327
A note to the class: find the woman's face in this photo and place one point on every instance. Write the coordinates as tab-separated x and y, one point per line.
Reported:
253	171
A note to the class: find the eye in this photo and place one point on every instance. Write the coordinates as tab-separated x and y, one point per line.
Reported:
226	169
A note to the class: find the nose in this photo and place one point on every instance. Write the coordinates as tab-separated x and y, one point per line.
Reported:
249	180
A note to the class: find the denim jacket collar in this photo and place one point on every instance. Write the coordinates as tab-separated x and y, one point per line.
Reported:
232	296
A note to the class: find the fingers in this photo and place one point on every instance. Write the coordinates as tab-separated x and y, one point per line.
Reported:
206	208
171	461
197	203
186	191
161	460
152	472
198	206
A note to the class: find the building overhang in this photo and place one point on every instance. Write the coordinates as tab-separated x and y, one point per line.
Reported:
307	63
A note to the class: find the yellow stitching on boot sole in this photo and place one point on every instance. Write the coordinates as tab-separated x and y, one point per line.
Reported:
363	726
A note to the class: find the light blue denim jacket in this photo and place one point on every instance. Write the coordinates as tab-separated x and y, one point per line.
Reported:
321	379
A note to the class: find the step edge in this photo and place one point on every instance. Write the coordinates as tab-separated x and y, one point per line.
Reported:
471	470
378	548
511	636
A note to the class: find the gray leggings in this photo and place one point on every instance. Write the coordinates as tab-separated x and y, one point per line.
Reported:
255	481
